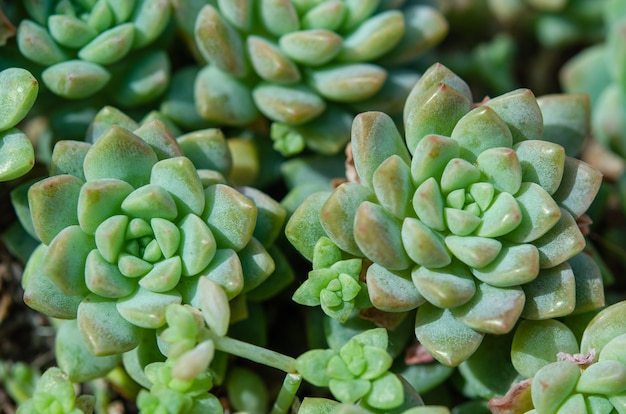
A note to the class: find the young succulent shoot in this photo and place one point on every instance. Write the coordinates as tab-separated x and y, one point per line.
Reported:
55	393
471	217
359	370
19	92
129	225
78	43
303	64
585	377
333	283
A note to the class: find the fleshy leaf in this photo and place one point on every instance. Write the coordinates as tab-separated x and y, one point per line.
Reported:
119	153
502	216
458	174
17	154
430	157
492	309
150	201
514	265
68	157
348	82
105	279
604	377
566	120
536	343
445	337
303	228
606	325
539	213
375	138
214	305
428	204
423	245
270	63
110	237
501	167
109	46
256	263
179	177
446	287
392	185
197	245
338	212
554	383
579	186
291	104
312	366
386	393
75	79
521	113
207	149
561	242
53	203
104	330
551	294
231	216
542	163
474	251
378	235
373	38
479	130
391	292
349	391
145	308
589	283
163	276
311	47
20	89
99	200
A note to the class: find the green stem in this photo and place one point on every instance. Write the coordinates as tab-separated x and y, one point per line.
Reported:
254	353
287	394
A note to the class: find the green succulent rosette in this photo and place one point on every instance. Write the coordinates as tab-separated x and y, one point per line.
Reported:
130	225
471	218
569	369
85	46
304	65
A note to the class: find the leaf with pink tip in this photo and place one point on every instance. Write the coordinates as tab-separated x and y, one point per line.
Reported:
516	264
105	279
430	157
53	203
392	185
375	138
502	217
120	154
501	167
428	204
378	235
542	163
492	309
445	287
458	174
474	251
479	130
99	200
163	276
160	138
104	330
520	111
110	237
338	212
145	308
424	246
391	291
444	336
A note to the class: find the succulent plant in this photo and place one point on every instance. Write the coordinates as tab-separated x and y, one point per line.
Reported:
84	46
582	372
55	394
471	218
295	61
129	225
19	92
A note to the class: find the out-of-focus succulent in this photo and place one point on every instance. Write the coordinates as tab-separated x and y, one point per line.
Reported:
471	218
567	372
84	46
599	71
55	394
129	225
18	92
295	61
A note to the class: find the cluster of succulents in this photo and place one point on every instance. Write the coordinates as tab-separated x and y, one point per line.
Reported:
471	218
19	92
298	62
85	46
129	225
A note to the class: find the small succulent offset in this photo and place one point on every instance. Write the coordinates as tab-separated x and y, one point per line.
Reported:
55	394
18	92
293	61
78	43
357	371
333	283
586	375
472	218
130	225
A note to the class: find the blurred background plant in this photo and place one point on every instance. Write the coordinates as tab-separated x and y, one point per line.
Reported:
260	98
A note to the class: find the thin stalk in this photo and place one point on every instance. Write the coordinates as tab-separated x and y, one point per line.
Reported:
287	394
254	353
